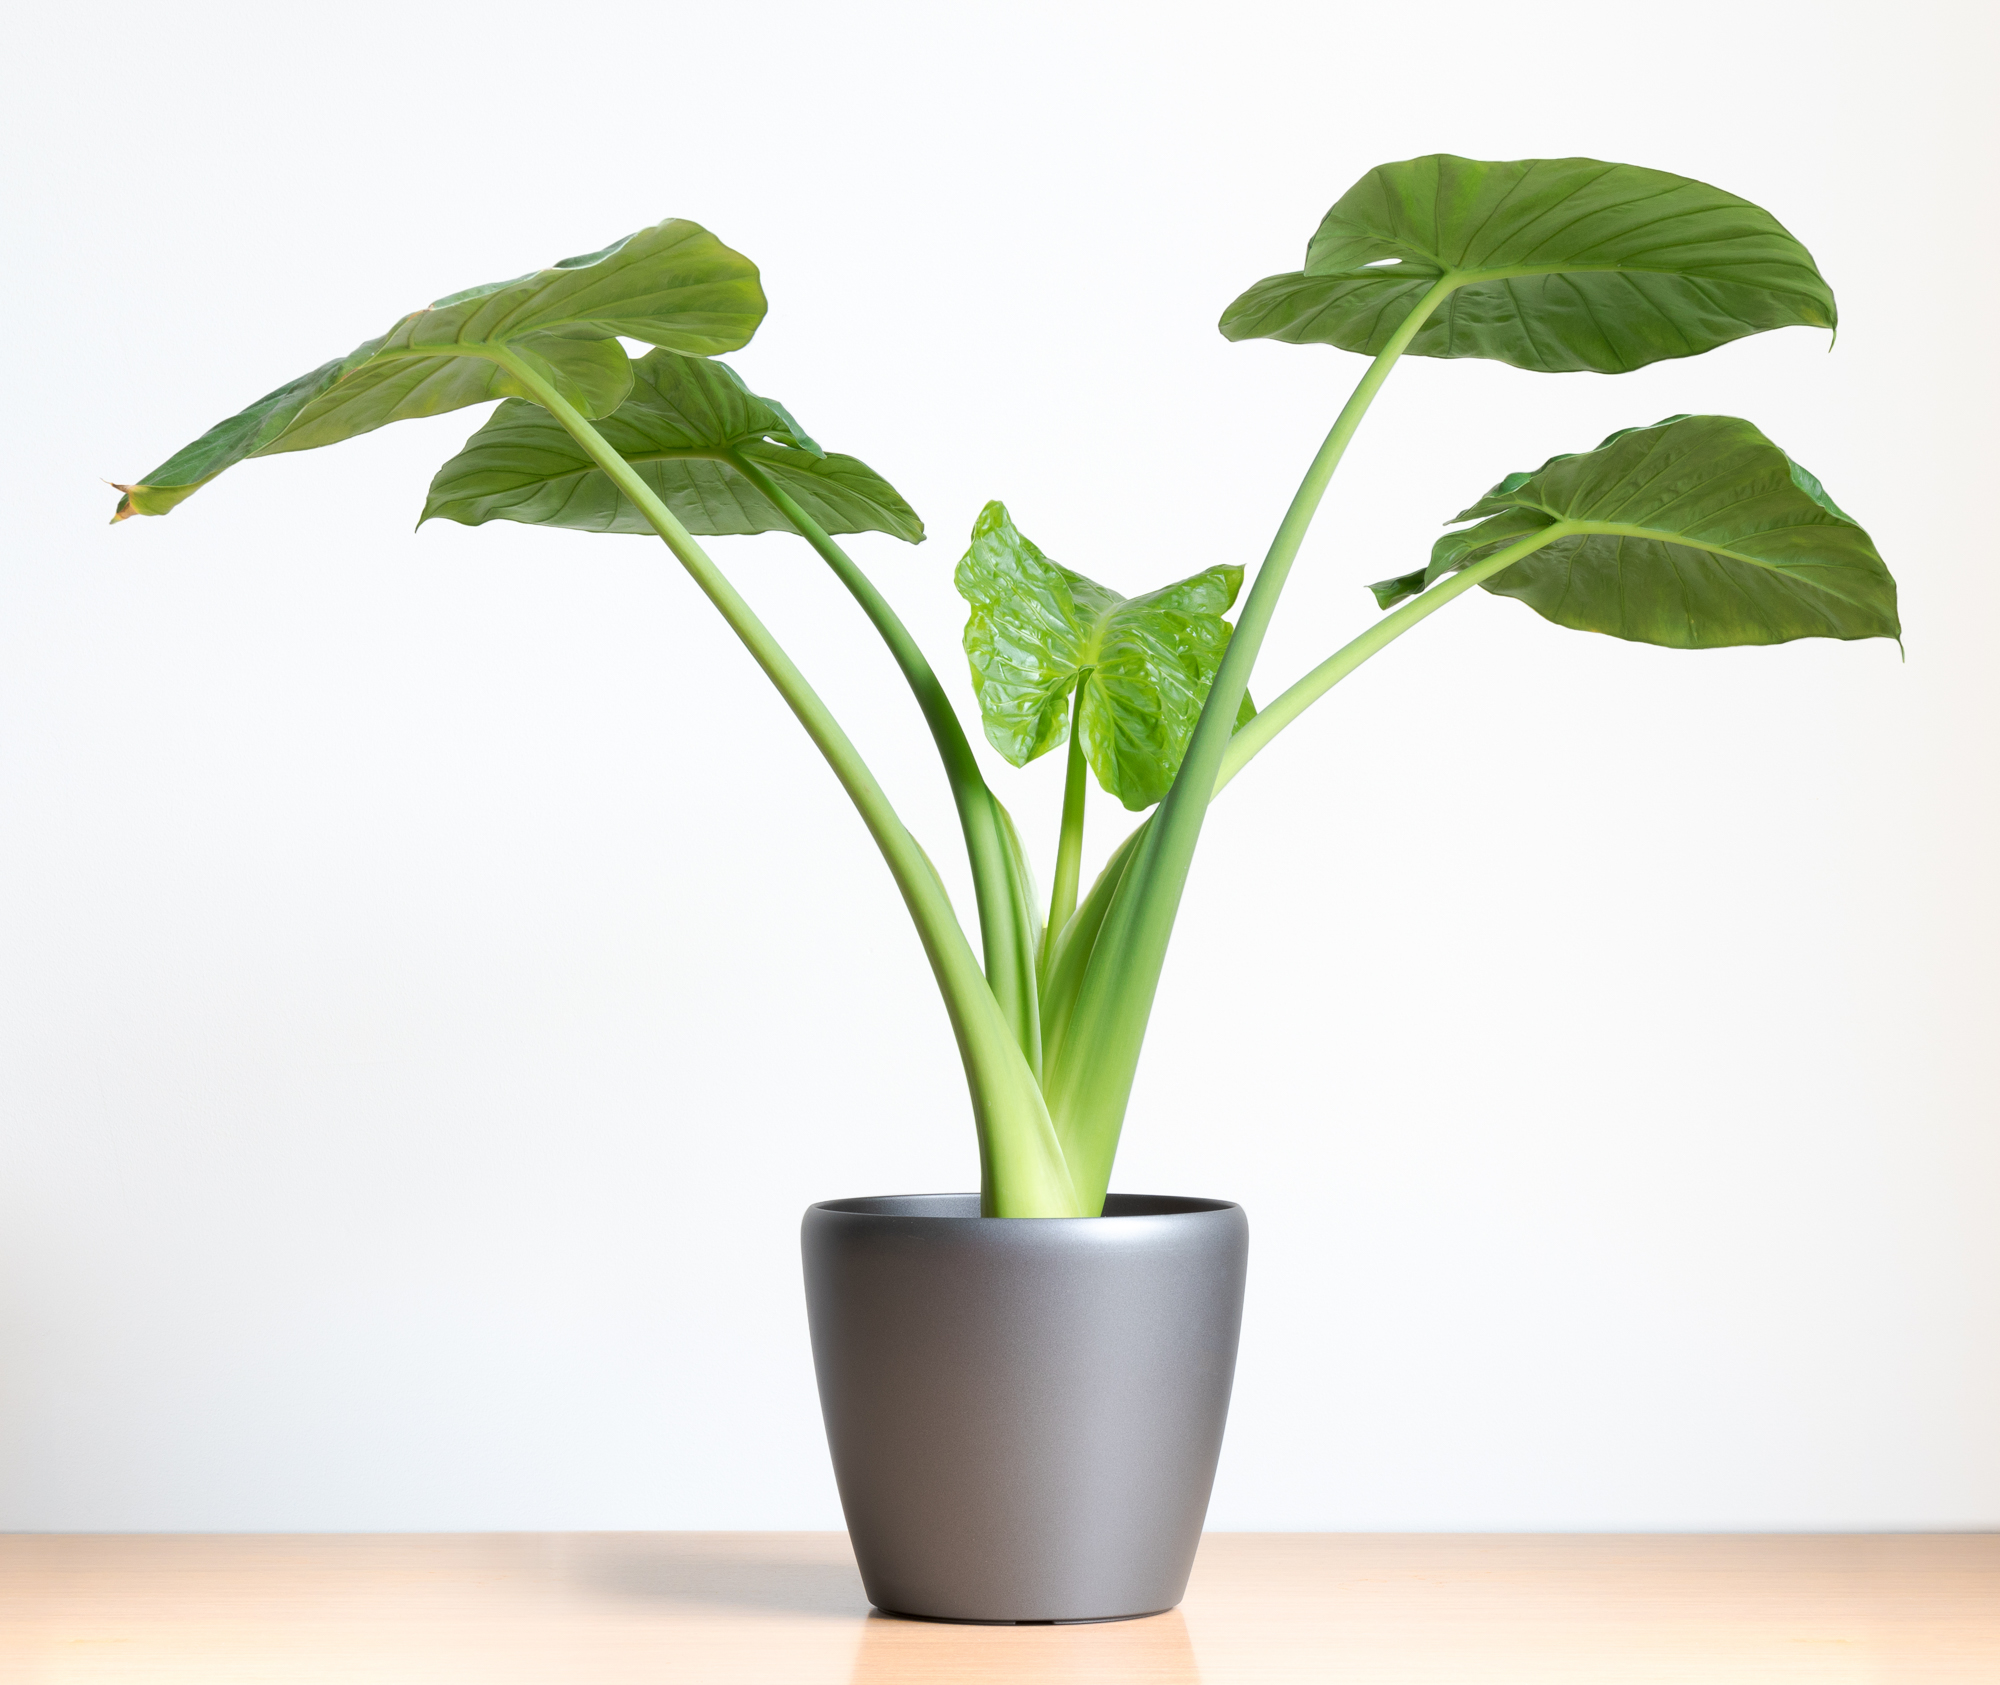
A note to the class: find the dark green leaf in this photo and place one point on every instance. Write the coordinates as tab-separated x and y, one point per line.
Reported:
1500	499
685	418
1697	533
1037	630
1557	264
672	285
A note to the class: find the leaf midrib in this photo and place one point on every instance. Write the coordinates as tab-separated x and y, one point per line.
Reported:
585	468
1461	279
1568	528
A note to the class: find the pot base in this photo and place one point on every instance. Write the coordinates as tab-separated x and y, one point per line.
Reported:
973	1620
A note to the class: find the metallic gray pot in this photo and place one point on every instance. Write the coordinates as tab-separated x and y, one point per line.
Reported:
1024	1413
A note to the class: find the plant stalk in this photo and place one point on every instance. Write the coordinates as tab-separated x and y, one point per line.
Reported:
1089	1088
1069	843
1022	1168
999	885
1282	710
1071	953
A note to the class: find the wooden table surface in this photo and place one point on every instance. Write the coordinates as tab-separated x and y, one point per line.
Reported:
687	1608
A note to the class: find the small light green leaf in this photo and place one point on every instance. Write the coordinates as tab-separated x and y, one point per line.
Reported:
1157	656
1026	635
1037	630
1696	533
673	285
685	418
1557	263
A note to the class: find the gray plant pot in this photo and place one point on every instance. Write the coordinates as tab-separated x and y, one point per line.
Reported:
1024	1413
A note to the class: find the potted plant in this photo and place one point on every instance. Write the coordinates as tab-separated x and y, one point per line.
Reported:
1025	1390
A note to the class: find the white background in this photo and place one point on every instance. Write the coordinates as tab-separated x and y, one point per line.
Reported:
437	972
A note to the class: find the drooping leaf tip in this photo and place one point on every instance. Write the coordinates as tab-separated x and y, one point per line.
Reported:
1390	592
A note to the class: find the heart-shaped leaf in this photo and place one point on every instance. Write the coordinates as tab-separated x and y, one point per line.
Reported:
1555	264
685	419
1696	533
1037	630
672	285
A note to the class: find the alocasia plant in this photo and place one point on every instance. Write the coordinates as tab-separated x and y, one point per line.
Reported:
1694	533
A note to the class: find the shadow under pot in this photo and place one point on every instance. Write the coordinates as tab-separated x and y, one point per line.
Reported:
1024	1413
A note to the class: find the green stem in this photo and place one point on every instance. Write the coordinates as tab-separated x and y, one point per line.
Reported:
1022	1167
1069	845
999	884
1282	710
1071	954
1090	1088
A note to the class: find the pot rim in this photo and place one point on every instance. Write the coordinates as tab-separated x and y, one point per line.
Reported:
898	1207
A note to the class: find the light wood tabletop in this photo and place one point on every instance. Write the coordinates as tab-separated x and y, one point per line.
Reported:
584	1608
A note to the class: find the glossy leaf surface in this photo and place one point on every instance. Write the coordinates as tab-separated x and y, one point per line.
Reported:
672	285
1558	264
684	419
1697	533
1037	630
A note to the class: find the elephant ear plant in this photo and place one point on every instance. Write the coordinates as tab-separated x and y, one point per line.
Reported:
1694	533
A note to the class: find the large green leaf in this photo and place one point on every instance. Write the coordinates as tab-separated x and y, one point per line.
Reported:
685	418
1038	630
672	285
1697	533
1556	264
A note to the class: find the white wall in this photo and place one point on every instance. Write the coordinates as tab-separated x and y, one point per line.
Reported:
437	973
